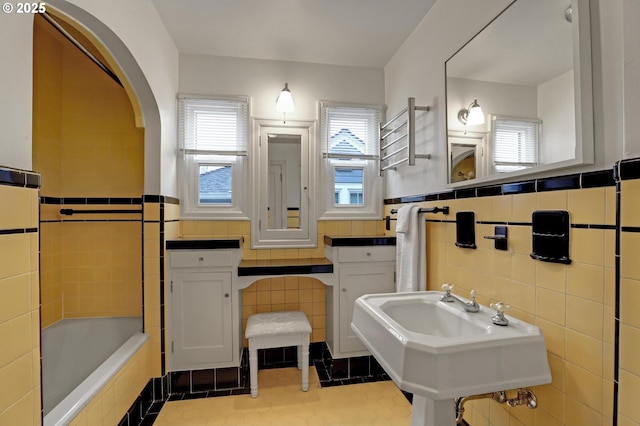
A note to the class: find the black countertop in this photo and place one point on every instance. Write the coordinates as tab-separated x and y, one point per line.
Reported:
205	243
378	240
285	267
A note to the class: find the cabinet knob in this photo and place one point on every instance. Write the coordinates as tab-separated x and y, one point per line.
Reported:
201	258
369	254
344	290
226	295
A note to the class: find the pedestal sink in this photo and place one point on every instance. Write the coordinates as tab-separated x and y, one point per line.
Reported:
438	351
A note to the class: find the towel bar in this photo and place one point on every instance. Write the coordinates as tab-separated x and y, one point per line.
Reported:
444	210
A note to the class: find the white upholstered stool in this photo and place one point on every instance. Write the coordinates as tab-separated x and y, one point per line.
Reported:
274	330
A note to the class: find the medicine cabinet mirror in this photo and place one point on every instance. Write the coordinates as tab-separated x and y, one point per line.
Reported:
530	71
283	182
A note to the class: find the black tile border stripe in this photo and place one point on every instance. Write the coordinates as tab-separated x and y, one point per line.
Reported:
91	200
628	169
211	244
596	179
18	231
21	178
92	221
160	199
631	229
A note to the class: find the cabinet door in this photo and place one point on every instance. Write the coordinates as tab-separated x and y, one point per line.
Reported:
355	281
201	318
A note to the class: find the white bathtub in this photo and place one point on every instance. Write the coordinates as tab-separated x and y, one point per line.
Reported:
79	356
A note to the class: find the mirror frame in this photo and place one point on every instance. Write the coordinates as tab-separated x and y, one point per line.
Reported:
306	235
583	99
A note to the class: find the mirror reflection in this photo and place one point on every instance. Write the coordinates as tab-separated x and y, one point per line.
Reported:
514	83
284	181
282	212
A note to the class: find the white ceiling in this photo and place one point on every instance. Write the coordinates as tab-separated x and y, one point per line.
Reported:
340	32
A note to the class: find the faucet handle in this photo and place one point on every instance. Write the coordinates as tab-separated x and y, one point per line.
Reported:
499	318
499	306
473	295
447	287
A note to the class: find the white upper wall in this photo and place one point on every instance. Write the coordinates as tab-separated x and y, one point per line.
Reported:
264	79
632	77
417	70
16	87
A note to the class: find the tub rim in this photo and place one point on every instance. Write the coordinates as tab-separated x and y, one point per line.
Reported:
79	397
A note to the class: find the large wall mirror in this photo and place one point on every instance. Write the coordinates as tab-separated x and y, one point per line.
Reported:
519	94
283	178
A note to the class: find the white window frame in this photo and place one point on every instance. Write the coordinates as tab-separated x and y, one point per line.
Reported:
527	123
372	181
189	161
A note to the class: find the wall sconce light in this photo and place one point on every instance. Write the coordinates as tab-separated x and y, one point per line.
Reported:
284	103
472	115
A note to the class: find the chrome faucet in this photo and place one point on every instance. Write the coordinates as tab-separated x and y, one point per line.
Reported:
471	306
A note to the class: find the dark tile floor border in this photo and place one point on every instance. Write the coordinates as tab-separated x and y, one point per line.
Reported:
211	383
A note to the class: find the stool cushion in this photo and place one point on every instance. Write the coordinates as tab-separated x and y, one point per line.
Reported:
273	323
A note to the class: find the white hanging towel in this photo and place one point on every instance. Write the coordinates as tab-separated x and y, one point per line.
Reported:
411	251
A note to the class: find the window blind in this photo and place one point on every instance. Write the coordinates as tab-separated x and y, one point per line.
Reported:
213	126
350	131
514	143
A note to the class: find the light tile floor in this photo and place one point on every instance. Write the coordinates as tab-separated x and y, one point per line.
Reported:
280	402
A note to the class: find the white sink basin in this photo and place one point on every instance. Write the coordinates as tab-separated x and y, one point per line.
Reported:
437	350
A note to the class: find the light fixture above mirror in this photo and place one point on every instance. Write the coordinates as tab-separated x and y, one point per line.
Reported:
284	103
473	115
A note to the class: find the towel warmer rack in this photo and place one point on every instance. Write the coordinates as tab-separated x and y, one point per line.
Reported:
407	152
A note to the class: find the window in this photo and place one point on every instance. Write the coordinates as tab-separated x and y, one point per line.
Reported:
350	176
347	182
215	183
213	149
514	143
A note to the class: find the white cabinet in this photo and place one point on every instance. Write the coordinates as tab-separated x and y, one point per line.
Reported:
201	320
355	281
203	310
360	270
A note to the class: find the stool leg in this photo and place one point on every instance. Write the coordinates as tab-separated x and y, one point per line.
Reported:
253	370
299	347
305	363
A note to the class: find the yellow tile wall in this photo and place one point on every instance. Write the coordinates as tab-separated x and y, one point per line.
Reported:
572	304
85	144
47	105
85	139
629	387
101	269
19	309
291	293
102	150
51	272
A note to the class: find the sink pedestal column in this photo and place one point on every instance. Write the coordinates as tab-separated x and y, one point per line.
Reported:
428	412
